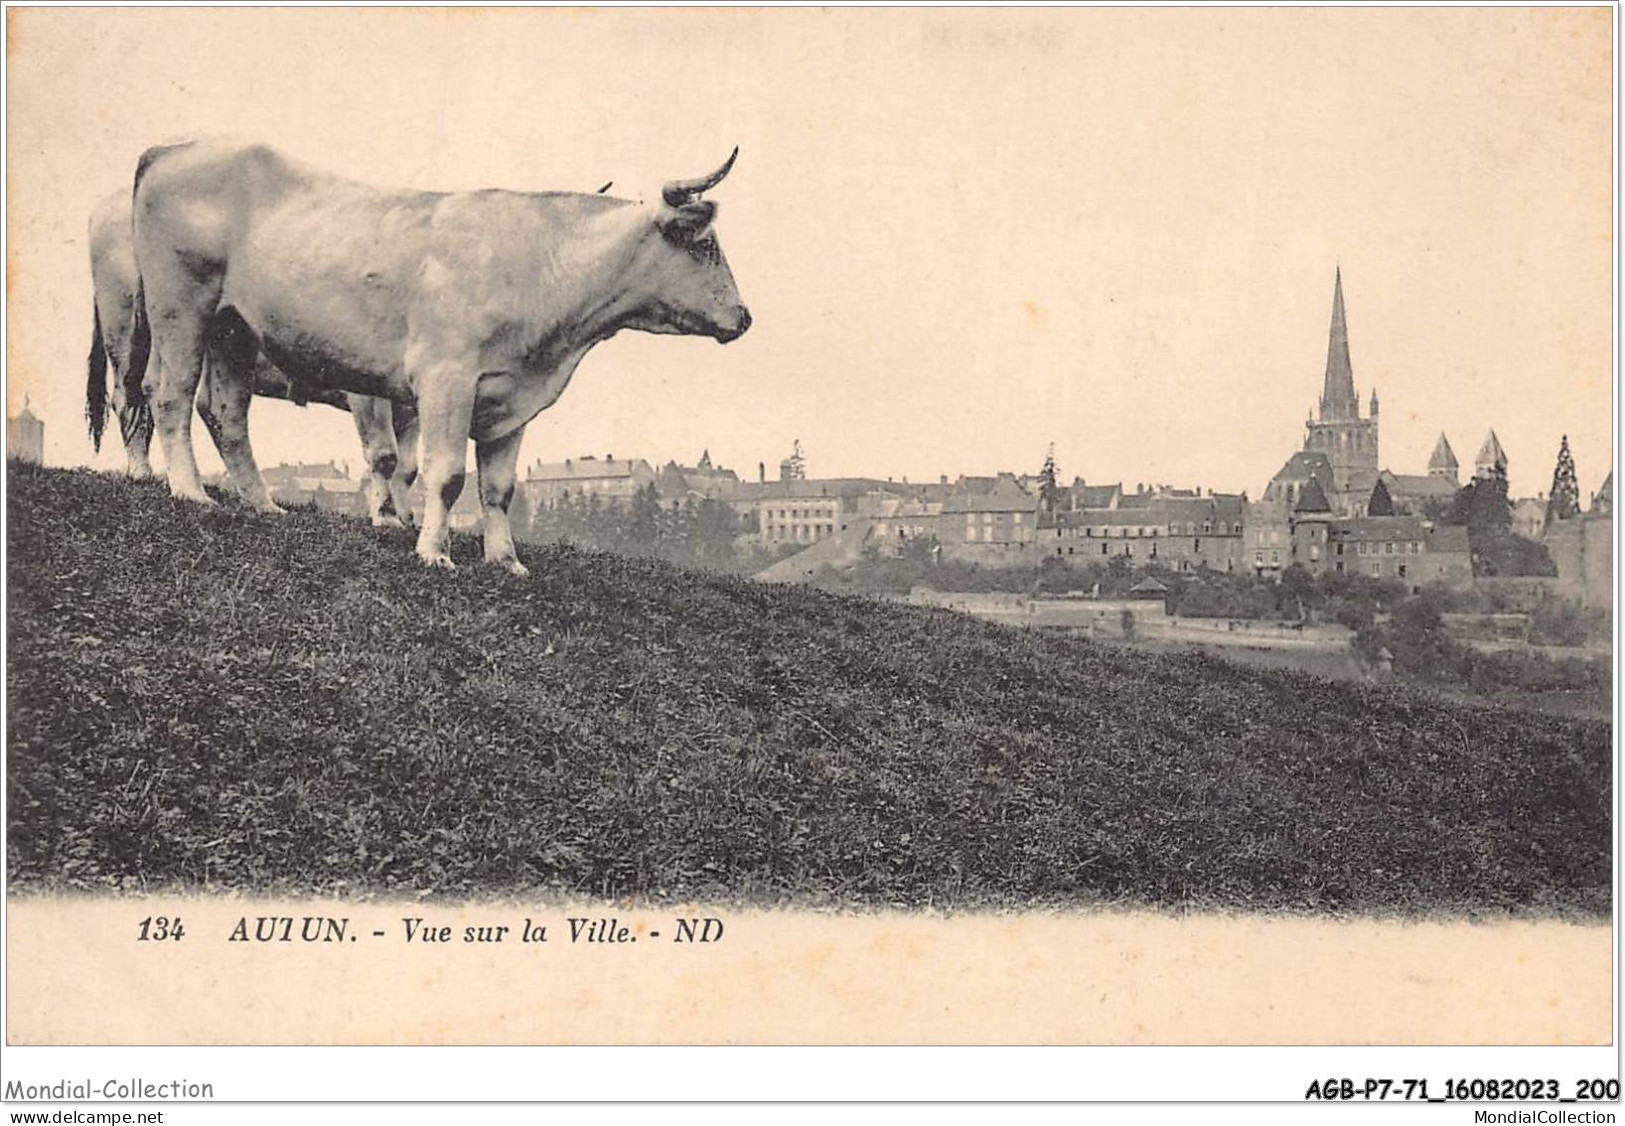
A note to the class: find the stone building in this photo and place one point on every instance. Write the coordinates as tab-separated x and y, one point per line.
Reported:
25	436
1380	547
901	520
614	481
1174	528
1004	515
701	480
1292	478
805	510
1415	494
1529	517
328	486
1582	547
1267	539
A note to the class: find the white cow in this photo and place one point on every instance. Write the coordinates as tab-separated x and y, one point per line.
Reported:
477	305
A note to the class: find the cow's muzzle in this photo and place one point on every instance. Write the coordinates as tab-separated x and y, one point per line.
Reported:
726	333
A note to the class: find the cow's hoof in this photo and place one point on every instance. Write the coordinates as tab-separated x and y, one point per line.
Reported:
270	508
199	497
382	521
512	566
438	559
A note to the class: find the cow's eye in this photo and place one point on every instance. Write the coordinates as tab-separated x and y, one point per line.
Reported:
704	251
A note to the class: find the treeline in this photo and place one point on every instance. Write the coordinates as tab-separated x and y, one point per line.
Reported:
1204	593
1392	627
693	532
1420	648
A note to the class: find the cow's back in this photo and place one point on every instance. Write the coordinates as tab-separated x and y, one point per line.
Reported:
321	268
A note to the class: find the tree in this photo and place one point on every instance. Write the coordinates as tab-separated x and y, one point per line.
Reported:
1565	498
643	527
1299	592
1481	507
1381	502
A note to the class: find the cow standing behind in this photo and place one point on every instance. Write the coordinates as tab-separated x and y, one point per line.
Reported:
478	306
391	467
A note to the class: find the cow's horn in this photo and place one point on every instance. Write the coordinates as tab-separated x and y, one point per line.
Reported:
679	192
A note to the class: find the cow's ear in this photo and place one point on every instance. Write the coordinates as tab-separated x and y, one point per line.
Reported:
688	223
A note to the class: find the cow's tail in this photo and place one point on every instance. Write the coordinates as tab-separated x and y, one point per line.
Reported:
96	383
136	417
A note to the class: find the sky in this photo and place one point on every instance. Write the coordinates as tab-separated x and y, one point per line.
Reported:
962	234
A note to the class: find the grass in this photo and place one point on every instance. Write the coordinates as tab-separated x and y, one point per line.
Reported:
214	699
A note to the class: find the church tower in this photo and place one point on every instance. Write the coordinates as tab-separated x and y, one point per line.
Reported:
1348	441
1443	462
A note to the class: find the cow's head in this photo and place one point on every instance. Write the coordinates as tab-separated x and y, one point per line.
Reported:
689	289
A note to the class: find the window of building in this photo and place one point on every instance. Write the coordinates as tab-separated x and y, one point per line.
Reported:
1376	568
1275	557
1339	566
1402	570
1314	552
1018	518
1105	548
1258	558
1388	548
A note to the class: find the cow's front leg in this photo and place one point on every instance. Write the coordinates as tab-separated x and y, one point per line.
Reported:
372	424
498	459
445	405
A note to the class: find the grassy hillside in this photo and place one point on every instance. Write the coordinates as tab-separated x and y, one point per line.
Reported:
207	699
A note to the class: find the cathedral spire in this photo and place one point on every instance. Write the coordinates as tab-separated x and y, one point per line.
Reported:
1337	399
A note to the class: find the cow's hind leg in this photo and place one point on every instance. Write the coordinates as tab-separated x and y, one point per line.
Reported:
180	346
373	425
229	383
134	424
446	404
498	460
179	304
